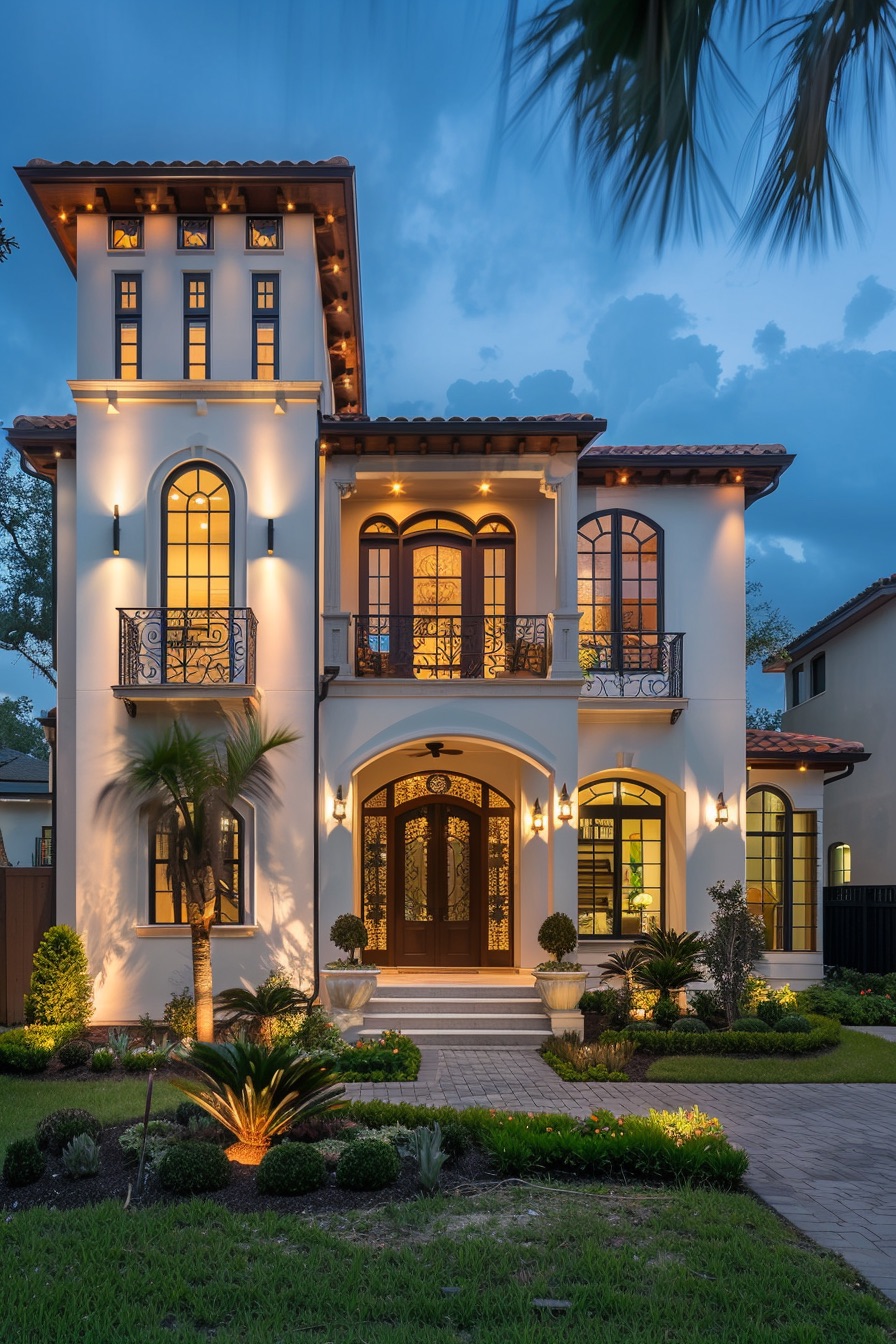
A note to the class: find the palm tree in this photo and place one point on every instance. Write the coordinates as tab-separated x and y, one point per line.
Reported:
185	784
640	84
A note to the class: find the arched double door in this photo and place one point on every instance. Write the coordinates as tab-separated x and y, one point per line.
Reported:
437	872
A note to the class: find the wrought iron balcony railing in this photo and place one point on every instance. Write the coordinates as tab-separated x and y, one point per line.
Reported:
195	646
444	648
632	664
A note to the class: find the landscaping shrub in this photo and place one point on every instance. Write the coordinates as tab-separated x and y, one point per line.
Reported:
258	1013
771	1011
160	1136
707	1005
596	1063
75	1054
187	1111
861	982
750	1024
24	1163
824	1032
141	1060
60	1127
367	1164
854	1008
291	1169
119	1042
794	1022
60	982
312	1032
30	1049
102	1059
689	1024
758	989
180	1014
390	1056
348	933
732	947
557	936
192	1168
459	1128
81	1157
666	1013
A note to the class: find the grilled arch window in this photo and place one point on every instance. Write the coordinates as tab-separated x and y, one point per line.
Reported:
197	538
782	870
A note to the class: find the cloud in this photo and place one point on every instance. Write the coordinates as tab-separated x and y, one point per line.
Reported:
868	306
537	394
769	342
794	549
488	352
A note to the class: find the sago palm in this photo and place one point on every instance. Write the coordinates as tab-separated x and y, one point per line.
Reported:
185	784
258	1010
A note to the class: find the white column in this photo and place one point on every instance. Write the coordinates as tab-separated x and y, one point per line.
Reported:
338	485
563	486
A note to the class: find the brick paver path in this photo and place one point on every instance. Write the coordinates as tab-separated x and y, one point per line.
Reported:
822	1154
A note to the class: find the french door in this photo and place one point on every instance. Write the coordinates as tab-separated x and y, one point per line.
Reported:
437	886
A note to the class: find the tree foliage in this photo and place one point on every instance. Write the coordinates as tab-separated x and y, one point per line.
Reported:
19	729
26	566
732	947
768	630
61	989
7	242
643	85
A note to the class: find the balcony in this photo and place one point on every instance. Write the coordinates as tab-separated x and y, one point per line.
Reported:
178	653
631	664
449	648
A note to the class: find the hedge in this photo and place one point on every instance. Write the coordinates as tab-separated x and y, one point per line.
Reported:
30	1049
825	1033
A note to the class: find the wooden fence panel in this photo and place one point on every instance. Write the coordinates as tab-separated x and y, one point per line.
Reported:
860	928
27	910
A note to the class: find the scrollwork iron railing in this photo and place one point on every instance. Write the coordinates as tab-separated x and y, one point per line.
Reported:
443	648
631	664
195	646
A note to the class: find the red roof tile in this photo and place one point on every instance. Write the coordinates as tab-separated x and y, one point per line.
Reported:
868	600
688	450
51	422
768	744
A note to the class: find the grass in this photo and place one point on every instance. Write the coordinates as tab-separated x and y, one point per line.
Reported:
636	1266
24	1101
858	1058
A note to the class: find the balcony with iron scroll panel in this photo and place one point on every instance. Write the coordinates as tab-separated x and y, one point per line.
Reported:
449	648
186	653
631	664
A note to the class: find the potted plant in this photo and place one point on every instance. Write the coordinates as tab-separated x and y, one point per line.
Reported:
349	984
560	984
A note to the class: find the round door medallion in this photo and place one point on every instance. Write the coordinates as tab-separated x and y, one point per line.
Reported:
438	784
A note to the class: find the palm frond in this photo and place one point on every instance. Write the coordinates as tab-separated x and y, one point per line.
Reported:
246	749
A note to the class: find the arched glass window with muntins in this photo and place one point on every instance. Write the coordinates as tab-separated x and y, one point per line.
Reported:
782	861
621	865
620	591
198	538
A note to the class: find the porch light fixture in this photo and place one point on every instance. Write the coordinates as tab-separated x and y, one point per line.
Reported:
397	488
803	767
537	818
339	805
116	532
564	805
270	536
485	488
721	810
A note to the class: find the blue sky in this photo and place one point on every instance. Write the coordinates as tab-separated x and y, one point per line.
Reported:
491	281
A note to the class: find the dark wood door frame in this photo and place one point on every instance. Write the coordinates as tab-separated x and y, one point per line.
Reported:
437	941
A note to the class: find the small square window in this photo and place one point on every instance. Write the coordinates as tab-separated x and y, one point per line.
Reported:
194	232
125	235
264	232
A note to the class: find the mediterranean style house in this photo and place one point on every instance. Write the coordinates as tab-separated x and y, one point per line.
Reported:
514	657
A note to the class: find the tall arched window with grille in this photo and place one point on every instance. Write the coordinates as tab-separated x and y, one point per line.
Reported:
201	642
782	870
620	591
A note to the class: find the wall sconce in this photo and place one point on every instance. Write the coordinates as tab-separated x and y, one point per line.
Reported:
339	805
270	536
116	532
564	805
537	818
112	403
279	405
721	810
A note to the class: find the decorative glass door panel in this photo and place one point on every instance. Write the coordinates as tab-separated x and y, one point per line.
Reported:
437	579
438	874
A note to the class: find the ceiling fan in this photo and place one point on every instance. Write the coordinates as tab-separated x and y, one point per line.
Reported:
437	749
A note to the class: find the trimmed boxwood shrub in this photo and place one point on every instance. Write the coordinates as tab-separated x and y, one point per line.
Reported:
771	1011
24	1163
188	1110
823	1033
30	1049
459	1128
794	1022
60	981
291	1169
75	1054
60	1127
193	1167
690	1025
750	1024
367	1164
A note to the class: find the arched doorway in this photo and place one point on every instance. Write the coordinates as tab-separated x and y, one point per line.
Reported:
437	864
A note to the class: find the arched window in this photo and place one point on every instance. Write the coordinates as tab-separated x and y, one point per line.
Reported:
197	538
620	591
782	870
621	858
839	865
230	906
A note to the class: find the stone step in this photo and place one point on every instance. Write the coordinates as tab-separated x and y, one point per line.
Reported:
409	1022
471	1038
383	1003
395	990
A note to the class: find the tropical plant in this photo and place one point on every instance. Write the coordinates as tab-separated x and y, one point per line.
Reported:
348	933
667	943
81	1157
668	974
256	1092
735	942
424	1146
60	989
258	1012
558	936
185	784
179	1014
623	965
640	85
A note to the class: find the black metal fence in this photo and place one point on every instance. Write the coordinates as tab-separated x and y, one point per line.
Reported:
860	928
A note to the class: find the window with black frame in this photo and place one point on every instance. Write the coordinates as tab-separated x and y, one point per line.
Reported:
620	592
621	862
782	877
165	908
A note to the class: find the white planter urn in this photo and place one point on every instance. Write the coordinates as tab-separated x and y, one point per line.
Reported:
560	992
347	990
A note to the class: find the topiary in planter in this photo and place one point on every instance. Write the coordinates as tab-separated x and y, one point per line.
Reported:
750	1024
75	1054
793	1022
60	1127
193	1167
691	1025
60	982
291	1169
367	1164
558	936
349	932
24	1163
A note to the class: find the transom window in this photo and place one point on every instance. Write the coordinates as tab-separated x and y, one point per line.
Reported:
194	232
264	232
782	870
125	235
621	858
620	589
166	908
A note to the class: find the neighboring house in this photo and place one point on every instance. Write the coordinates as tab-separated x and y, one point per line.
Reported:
25	809
840	678
515	658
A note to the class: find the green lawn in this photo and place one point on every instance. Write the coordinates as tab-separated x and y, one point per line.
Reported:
857	1059
24	1101
637	1267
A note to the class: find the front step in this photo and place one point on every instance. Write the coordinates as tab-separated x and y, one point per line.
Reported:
459	1015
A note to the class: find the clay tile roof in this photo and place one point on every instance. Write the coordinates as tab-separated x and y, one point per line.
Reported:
846	614
23	423
768	745
688	450
572	417
336	162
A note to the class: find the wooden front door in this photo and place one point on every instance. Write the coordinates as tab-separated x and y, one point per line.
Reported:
437	886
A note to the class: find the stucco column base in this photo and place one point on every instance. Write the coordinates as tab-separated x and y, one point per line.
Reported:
567	1021
565	645
337	626
349	1023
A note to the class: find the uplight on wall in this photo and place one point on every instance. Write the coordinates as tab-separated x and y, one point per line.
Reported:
721	810
537	818
116	532
564	805
339	805
112	403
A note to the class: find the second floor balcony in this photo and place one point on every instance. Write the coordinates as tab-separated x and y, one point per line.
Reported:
186	650
445	648
631	664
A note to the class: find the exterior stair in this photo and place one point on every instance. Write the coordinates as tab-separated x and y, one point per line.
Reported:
459	1015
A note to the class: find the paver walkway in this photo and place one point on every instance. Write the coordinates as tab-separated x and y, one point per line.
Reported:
822	1154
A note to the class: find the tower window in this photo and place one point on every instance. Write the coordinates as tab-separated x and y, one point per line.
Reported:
266	327
128	318
197	316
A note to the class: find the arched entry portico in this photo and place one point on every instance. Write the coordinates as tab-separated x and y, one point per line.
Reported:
437	871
